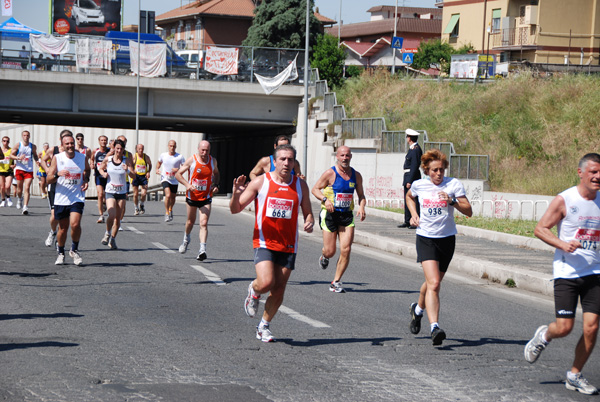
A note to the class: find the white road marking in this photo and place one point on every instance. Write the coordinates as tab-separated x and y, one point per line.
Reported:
297	316
211	276
134	230
164	248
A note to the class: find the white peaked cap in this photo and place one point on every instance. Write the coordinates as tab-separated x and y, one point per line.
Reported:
411	132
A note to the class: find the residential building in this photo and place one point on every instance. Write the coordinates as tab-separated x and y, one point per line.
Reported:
210	22
368	43
537	31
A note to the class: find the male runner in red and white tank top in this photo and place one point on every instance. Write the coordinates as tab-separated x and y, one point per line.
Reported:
279	197
203	183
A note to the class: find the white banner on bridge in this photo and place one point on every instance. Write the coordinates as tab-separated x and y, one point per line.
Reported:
222	60
49	44
272	84
153	59
94	53
7	8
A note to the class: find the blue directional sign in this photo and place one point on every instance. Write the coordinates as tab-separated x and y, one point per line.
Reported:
407	58
397	42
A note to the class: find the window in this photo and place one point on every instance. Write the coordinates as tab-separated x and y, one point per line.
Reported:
452	27
496	16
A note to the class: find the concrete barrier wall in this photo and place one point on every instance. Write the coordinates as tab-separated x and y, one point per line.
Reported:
155	142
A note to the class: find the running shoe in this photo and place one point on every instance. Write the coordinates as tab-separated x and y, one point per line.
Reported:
112	244
60	259
9	202
201	256
536	345
580	384
3	204
25	210
264	334
167	218
415	320
51	239
171	214
184	246
323	262
100	219
105	239
44	196
19	203
74	254
142	209
437	336
336	287
137	211
251	303
120	228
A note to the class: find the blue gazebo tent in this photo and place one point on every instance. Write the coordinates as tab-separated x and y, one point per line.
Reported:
13	29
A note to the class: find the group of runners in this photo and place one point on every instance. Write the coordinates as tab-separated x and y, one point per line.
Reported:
280	194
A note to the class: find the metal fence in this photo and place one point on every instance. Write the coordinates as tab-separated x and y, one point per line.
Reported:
267	62
329	101
339	113
446	147
395	141
471	167
321	88
363	128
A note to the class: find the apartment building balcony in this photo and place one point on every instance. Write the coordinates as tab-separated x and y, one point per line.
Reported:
525	37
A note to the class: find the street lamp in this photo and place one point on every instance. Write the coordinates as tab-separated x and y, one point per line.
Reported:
395	34
137	90
487	55
306	44
339	25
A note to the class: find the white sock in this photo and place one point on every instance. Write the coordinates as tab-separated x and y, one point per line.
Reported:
419	310
571	375
186	237
202	247
263	323
434	325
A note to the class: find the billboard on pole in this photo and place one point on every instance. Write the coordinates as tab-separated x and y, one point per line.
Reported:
89	17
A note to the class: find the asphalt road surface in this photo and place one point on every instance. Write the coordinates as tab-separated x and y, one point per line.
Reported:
145	323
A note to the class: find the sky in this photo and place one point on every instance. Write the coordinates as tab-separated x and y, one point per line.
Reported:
34	13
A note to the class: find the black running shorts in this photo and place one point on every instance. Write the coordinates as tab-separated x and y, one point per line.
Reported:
568	291
437	249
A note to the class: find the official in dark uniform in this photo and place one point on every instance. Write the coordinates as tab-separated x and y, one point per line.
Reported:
411	171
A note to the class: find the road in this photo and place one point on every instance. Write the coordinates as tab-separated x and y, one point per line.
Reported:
147	323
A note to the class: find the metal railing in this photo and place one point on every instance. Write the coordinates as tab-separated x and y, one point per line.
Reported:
363	128
329	101
339	113
321	88
395	141
446	147
519	36
470	167
267	62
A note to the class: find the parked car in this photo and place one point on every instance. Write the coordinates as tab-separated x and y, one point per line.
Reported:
87	12
192	57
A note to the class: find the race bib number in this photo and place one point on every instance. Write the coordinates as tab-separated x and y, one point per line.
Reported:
588	238
169	175
434	207
200	185
279	208
140	169
73	177
343	200
117	188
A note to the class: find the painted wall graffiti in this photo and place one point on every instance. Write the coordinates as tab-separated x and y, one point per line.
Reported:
382	187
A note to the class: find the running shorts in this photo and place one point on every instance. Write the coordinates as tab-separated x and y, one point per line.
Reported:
64	211
286	260
116	196
436	249
331	221
101	181
198	204
568	291
140	180
173	187
21	175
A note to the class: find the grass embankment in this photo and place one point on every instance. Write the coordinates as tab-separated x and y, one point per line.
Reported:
534	129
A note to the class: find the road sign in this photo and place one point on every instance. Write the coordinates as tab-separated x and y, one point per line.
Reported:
397	42
407	58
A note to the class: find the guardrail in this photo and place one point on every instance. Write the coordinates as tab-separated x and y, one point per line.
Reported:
471	167
510	209
363	128
267	62
395	141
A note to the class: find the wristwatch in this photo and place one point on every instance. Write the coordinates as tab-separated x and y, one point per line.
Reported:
324	200
453	201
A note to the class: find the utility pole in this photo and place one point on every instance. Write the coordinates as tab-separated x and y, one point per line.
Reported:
340	25
395	34
483	36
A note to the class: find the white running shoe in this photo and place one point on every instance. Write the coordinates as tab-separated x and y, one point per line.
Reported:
167	218
264	334
137	211
323	262
112	244
51	239
3	204
336	287
9	202
60	260
77	260
25	210
251	303
580	384
105	239
536	345
184	246
100	219
120	228
19	203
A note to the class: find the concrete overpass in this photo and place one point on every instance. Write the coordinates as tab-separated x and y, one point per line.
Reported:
94	100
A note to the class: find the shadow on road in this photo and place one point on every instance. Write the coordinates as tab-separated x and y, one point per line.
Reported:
26	274
481	342
319	342
47	344
32	316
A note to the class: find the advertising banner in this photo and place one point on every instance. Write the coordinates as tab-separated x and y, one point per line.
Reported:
221	60
6	8
89	17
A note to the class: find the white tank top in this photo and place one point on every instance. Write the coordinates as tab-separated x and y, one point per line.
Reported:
27	163
68	188
116	176
581	223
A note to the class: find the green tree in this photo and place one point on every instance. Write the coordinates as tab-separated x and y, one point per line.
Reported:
282	23
433	52
329	58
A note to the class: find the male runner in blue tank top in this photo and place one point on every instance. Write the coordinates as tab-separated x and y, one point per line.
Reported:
266	164
335	189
